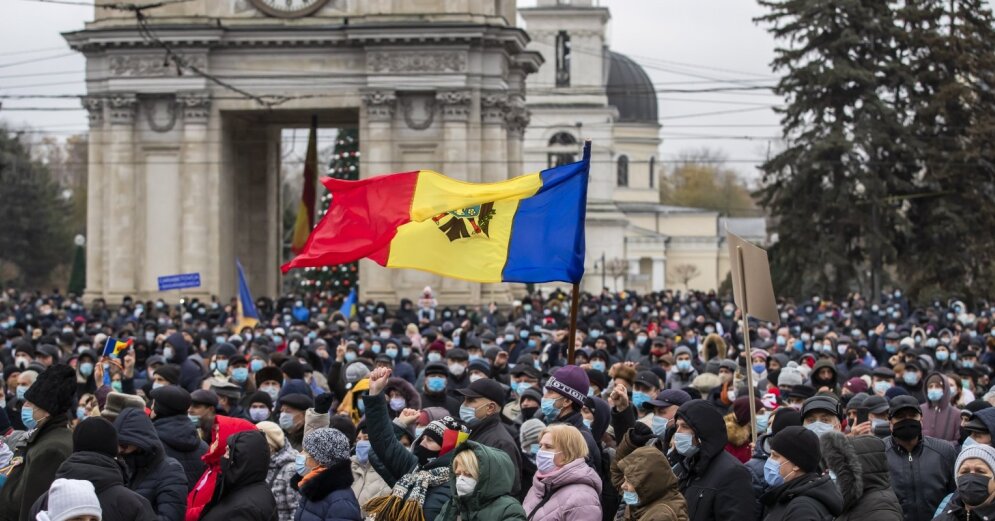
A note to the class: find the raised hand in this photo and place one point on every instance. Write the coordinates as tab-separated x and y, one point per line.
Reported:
378	380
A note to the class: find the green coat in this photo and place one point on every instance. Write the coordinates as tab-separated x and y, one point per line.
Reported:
47	447
491	500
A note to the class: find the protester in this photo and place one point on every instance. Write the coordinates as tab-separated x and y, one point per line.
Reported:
324	478
71	500
782	417
940	419
281	470
240	492
975	498
157	477
367	483
564	488
798	490
859	467
481	485
203	491
648	486
481	412
177	433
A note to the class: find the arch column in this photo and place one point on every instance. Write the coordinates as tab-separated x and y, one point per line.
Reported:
95	192
121	258
377	117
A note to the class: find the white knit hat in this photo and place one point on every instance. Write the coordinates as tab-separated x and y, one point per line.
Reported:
68	498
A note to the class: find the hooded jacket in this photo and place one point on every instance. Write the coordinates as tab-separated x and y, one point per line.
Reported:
191	373
412	399
47	446
117	503
570	493
327	495
180	441
833	384
279	476
649	472
717	486
810	497
923	477
351	403
861	469
739	438
491	432
157	477
241	492
941	419
492	498
203	489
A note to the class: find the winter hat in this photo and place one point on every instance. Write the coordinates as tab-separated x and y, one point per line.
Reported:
261	397
327	446
983	452
570	381
430	414
355	372
759	353
170	400
268	373
529	432
800	446
741	408
895	391
784	418
117	402
54	389
170	373
789	377
69	498
301	402
448	432
293	369
95	435
274	434
856	385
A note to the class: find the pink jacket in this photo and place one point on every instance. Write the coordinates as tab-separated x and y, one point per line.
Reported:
576	494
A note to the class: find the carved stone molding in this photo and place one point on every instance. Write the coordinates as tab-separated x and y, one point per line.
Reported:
160	112
517	117
380	105
455	104
94	110
151	66
493	107
122	108
196	107
418	110
414	61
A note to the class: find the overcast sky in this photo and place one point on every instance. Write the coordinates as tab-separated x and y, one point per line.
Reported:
682	44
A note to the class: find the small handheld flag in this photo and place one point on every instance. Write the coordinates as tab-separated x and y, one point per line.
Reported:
114	347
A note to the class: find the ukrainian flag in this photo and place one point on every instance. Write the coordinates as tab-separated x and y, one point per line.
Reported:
245	312
527	229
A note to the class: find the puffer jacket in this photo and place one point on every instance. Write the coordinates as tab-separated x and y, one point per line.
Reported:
326	495
649	472
861	469
203	490
941	419
491	499
810	497
570	493
716	485
366	482
157	477
279	476
241	492
117	503
923	477
181	442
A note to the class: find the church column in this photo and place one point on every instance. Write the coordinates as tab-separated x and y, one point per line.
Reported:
194	226
659	280
95	213
493	107
455	108
516	120
121	258
376	146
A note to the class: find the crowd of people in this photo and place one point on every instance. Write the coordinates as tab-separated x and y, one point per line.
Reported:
860	406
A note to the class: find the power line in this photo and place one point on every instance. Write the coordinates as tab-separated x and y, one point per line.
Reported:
36	60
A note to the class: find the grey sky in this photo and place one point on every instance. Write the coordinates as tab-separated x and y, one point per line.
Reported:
682	44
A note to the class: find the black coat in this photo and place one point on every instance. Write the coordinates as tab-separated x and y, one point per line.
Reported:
241	493
117	502
716	485
157	477
491	432
807	498
862	478
444	400
46	448
922	478
955	511
181	442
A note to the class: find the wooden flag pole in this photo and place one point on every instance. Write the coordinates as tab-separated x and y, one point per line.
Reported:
745	312
572	337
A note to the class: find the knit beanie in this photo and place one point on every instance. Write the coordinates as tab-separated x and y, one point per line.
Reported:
789	377
800	446
170	373
785	417
262	397
95	434
983	452
571	382
448	432
69	498
170	400
327	446
274	435
54	389
529	432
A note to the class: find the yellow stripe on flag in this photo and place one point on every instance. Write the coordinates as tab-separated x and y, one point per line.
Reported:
436	193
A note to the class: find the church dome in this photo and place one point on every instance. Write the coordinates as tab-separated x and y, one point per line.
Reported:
630	90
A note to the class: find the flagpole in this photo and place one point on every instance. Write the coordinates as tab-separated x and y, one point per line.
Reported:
745	312
572	337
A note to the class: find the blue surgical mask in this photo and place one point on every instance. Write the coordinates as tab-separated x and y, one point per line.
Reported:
882	386
258	414
684	443
222	365
967	443
639	398
435	384
405	352
194	419
819	428
891	348
598	365
28	417
391	352
375	348
683	365
256	365
300	464
910	377
759	368
762	421
21	389
630	498
116	385
286	421
350	356
967	364
549	409
587	423
363	451
545	460
942	356
659	425
434	356
532	343
934	395
240	374
86	369
772	473
80	413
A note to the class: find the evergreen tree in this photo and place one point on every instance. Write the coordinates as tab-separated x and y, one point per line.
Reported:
846	148
339	279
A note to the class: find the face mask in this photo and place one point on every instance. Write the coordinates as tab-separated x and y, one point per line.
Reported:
350	356
256	365
967	364
598	365
549	409
80	413
240	374
473	358
375	348
630	498
272	391
397	404
934	395
286	421
457	369
86	369
882	387
21	389
684	443
842	349
819	428
683	365
907	430
435	384
392	352
21	363
817	347
587	423
762	421
659	425
911	377
167	353
942	356
221	365
891	348
973	489
28	417
434	356
641	340
258	414
116	385
300	464
194	419
967	443
772	473
149	336
545	460
465	485
363	451
639	398
731	395
759	368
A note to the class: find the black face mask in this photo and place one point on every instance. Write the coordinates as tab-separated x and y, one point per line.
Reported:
907	430
529	412
424	455
973	489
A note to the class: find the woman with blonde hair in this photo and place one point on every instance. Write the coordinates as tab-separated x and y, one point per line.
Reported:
481	483
564	486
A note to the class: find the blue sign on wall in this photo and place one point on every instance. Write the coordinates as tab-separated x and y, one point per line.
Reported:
183	281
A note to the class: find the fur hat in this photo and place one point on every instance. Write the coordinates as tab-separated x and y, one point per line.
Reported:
117	402
53	390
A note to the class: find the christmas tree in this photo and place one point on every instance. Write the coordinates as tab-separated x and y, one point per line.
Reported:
335	280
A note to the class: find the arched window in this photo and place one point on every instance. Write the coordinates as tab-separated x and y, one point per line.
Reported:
562	149
562	138
652	172
623	171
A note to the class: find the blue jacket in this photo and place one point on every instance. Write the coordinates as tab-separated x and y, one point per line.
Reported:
180	441
328	496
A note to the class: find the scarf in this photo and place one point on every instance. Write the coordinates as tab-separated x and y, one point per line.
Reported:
406	500
311	475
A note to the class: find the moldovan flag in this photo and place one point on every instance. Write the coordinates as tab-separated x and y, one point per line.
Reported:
305	210
114	347
245	312
526	229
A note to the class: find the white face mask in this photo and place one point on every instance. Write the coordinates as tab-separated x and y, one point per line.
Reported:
465	485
